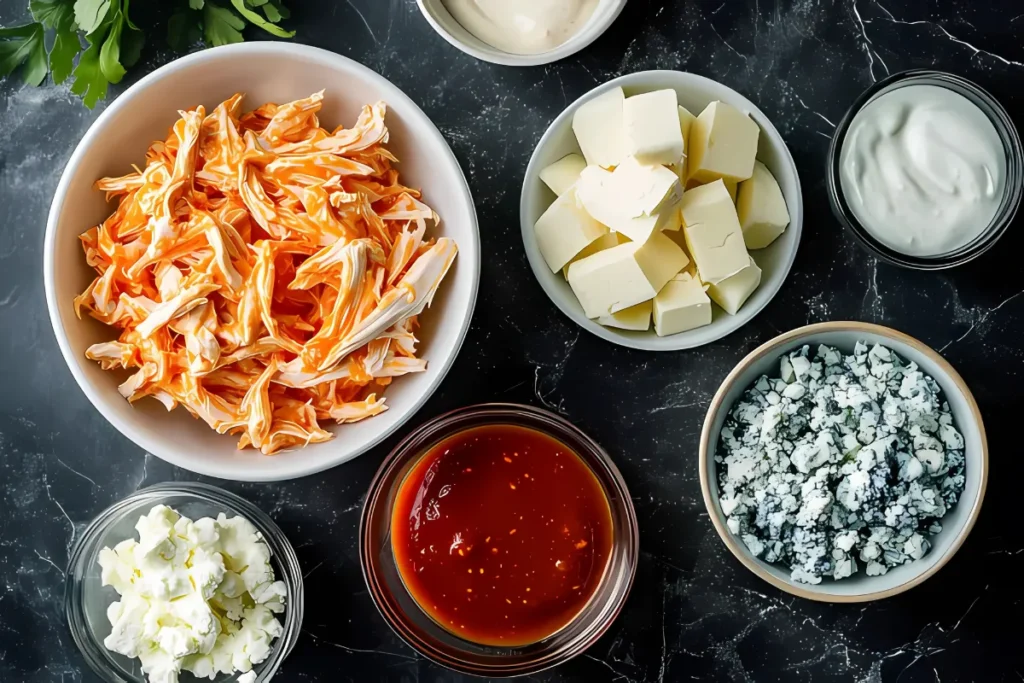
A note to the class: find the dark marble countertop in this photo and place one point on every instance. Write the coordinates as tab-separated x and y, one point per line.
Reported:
695	613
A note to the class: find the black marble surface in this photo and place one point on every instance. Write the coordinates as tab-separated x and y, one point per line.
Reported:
695	613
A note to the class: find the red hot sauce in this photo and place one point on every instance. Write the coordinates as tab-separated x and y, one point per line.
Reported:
501	534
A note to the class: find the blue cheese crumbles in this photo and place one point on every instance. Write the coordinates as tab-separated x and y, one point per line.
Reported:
842	462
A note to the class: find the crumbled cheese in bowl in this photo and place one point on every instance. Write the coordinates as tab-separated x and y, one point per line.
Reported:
841	463
197	596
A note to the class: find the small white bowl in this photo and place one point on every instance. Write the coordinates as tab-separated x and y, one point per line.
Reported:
265	72
695	93
957	523
442	21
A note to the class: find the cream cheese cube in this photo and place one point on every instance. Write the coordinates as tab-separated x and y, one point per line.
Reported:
731	185
712	230
642	189
681	305
606	241
626	275
723	144
564	173
732	292
761	208
686	120
636	318
564	230
597	195
653	132
599	129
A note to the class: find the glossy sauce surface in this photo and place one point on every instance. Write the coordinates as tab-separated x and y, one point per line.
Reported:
501	534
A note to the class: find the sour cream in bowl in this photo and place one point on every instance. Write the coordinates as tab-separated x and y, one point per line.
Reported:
520	33
926	170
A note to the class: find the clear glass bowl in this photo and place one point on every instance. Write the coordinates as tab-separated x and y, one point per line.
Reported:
1013	188
417	628
86	600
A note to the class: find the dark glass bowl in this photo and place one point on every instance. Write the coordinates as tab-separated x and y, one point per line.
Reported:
1012	191
417	628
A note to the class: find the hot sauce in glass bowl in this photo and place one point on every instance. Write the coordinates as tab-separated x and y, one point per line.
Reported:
501	533
487	506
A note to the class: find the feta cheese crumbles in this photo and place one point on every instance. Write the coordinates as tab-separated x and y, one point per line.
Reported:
197	596
840	463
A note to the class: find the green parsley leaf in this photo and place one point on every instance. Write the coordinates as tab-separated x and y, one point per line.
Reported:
276	11
195	4
110	53
66	47
23	46
90	83
91	14
221	26
54	14
253	17
184	29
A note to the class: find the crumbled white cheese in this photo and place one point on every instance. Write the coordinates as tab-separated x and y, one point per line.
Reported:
196	596
841	462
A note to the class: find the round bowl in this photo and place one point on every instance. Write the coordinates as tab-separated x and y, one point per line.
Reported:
266	72
695	93
1012	193
957	523
441	20
417	628
86	600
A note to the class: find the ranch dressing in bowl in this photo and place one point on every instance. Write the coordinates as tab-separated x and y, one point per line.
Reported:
523	27
923	170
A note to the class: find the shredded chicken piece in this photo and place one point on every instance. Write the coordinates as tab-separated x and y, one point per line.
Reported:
264	272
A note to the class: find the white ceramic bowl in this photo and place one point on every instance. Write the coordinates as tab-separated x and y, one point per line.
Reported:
266	72
441	20
695	93
957	523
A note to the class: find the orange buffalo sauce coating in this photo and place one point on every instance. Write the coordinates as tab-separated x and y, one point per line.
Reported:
264	272
501	534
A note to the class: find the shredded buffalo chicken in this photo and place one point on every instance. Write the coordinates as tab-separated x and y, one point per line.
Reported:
264	272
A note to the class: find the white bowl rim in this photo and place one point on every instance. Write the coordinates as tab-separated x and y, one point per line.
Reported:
209	467
649	341
805	332
591	32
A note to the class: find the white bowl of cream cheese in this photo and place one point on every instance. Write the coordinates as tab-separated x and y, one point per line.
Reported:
695	93
520	33
926	170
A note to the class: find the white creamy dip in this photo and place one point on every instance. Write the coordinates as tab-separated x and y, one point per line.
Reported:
922	169
522	27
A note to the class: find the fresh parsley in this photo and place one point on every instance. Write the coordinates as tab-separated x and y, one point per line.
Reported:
113	43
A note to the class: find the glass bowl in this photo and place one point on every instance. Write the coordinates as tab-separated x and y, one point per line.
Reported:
1012	192
86	600
425	635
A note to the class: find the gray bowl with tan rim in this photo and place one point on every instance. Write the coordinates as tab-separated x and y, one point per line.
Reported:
957	523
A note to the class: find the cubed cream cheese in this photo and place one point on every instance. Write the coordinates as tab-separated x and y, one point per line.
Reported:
731	185
761	208
626	275
712	231
563	174
732	292
681	305
653	133
637	318
606	241
642	189
723	144
686	120
599	129
600	201
564	230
